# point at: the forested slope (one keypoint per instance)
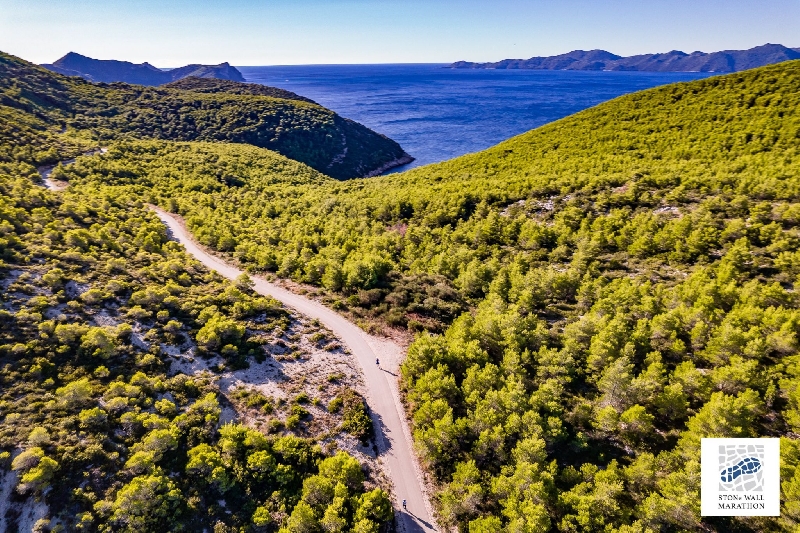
(213, 85)
(296, 128)
(93, 299)
(114, 349)
(628, 276)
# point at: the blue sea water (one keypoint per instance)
(437, 113)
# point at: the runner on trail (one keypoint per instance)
(404, 504)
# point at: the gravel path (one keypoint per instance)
(55, 185)
(393, 435)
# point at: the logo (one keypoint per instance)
(740, 477)
(740, 467)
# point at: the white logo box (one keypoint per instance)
(740, 477)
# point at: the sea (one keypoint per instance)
(438, 113)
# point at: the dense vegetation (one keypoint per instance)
(611, 288)
(243, 197)
(97, 420)
(629, 280)
(212, 85)
(298, 129)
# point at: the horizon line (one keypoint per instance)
(314, 64)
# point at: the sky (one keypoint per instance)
(171, 33)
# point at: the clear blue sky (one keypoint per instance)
(171, 33)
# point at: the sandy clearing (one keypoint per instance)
(283, 377)
(392, 431)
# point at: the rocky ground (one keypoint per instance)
(291, 390)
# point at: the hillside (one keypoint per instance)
(208, 85)
(611, 288)
(140, 391)
(674, 61)
(109, 71)
(42, 103)
(109, 421)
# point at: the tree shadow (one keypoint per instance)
(170, 235)
(382, 433)
(383, 438)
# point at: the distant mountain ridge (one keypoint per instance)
(109, 71)
(674, 61)
(40, 107)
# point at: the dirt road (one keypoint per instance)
(392, 432)
(390, 426)
(54, 185)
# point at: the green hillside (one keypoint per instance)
(461, 220)
(111, 342)
(298, 129)
(611, 288)
(213, 85)
(102, 426)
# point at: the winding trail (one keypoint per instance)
(55, 185)
(392, 432)
(391, 428)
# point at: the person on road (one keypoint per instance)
(378, 362)
(404, 505)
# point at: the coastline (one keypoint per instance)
(400, 161)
